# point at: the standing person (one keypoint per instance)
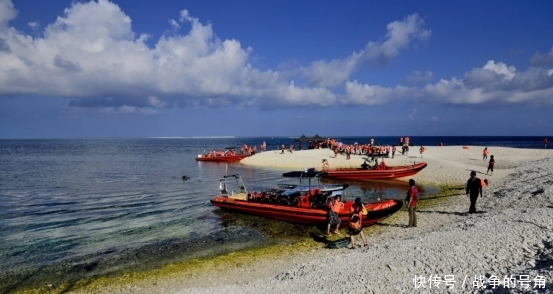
(412, 198)
(545, 143)
(485, 154)
(474, 188)
(326, 165)
(263, 146)
(348, 152)
(355, 226)
(393, 151)
(490, 165)
(332, 218)
(282, 149)
(421, 150)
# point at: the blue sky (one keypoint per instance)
(127, 68)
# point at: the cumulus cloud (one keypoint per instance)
(400, 35)
(542, 59)
(92, 55)
(495, 82)
(7, 12)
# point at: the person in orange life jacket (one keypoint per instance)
(332, 218)
(474, 188)
(490, 165)
(355, 226)
(412, 198)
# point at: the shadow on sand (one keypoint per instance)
(451, 212)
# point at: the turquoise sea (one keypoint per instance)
(73, 208)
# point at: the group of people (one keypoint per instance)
(291, 150)
(358, 211)
(245, 149)
(219, 153)
(354, 227)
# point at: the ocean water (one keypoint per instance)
(88, 207)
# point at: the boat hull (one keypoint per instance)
(227, 158)
(305, 215)
(375, 174)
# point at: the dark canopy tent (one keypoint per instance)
(303, 138)
(317, 138)
(307, 174)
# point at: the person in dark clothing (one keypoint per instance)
(474, 188)
(491, 165)
(412, 198)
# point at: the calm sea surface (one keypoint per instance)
(87, 207)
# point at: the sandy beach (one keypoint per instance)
(510, 236)
(446, 164)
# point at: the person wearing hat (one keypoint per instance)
(474, 188)
(355, 226)
(412, 197)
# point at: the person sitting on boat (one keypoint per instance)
(326, 165)
(332, 217)
(355, 226)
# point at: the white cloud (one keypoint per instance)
(493, 83)
(174, 24)
(91, 52)
(91, 55)
(360, 94)
(34, 25)
(400, 35)
(7, 12)
(412, 114)
(507, 72)
(418, 77)
(542, 59)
